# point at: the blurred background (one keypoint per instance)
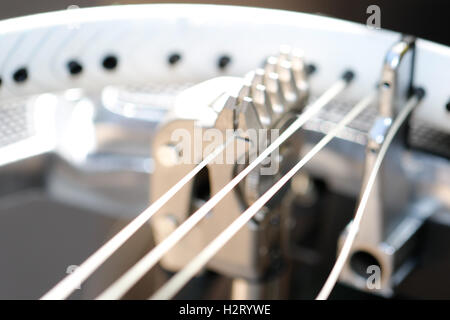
(427, 19)
(80, 216)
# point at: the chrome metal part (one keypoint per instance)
(82, 155)
(262, 100)
(394, 214)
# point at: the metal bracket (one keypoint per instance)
(265, 99)
(386, 238)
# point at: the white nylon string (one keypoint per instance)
(354, 227)
(135, 273)
(190, 270)
(71, 282)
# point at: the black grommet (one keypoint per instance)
(1, 81)
(110, 62)
(348, 75)
(420, 92)
(447, 106)
(310, 69)
(174, 58)
(20, 75)
(74, 67)
(223, 62)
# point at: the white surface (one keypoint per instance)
(143, 36)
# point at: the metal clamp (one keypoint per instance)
(385, 243)
(266, 98)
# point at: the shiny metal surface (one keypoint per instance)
(391, 210)
(88, 160)
(119, 189)
(248, 261)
